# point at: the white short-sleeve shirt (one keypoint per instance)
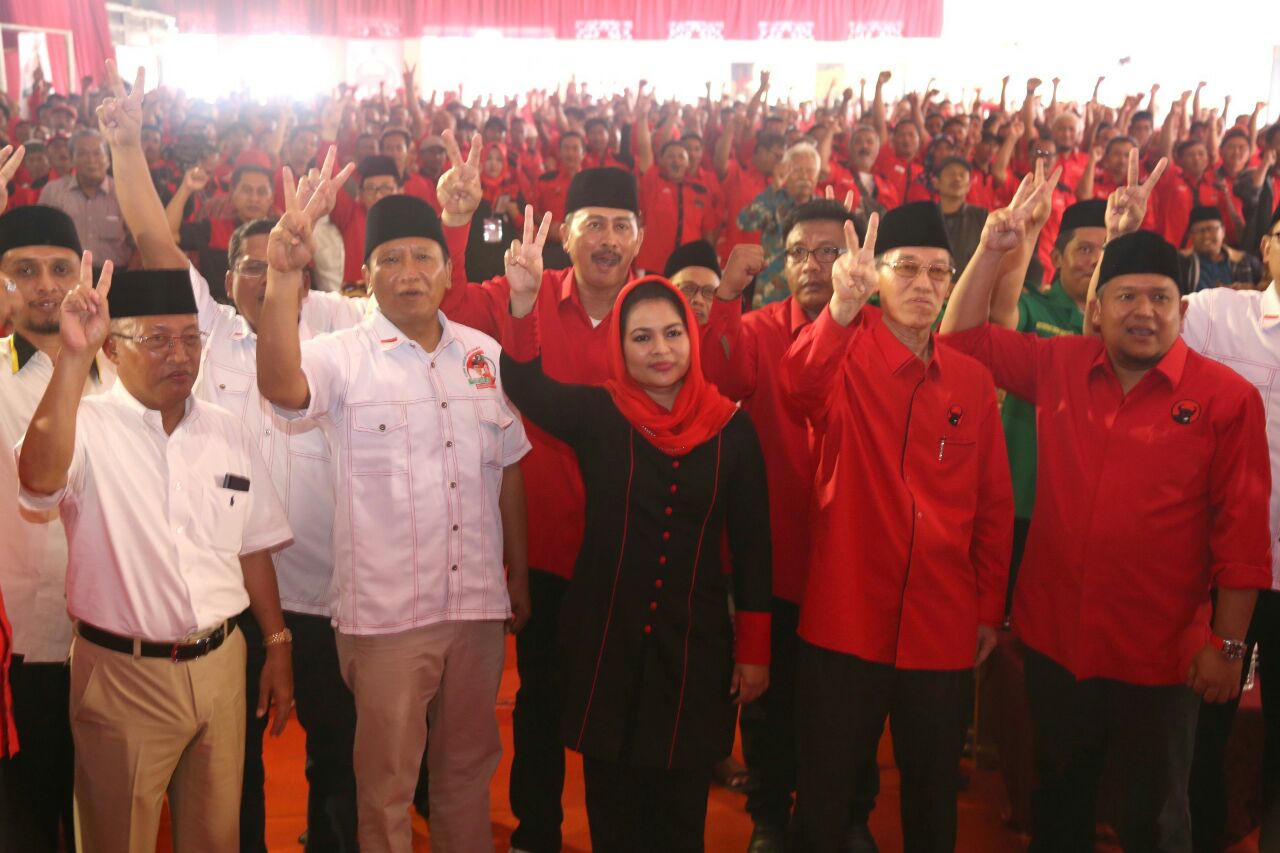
(1241, 329)
(421, 439)
(155, 523)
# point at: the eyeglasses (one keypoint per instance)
(166, 343)
(692, 291)
(909, 269)
(251, 269)
(380, 190)
(825, 255)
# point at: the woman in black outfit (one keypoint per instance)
(646, 648)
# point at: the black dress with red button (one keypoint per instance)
(645, 650)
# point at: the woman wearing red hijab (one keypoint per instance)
(499, 217)
(651, 665)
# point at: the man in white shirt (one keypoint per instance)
(430, 500)
(298, 456)
(170, 522)
(1241, 329)
(40, 261)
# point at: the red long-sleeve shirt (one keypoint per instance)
(1144, 501)
(1176, 194)
(743, 357)
(912, 508)
(8, 732)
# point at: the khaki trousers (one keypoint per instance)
(444, 676)
(144, 726)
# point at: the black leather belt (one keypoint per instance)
(173, 651)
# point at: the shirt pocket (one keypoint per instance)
(492, 423)
(230, 388)
(1260, 376)
(228, 509)
(379, 439)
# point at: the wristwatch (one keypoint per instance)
(285, 636)
(1232, 650)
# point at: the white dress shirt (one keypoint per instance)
(33, 568)
(1241, 329)
(154, 536)
(421, 440)
(296, 451)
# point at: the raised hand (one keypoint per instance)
(195, 180)
(86, 322)
(830, 195)
(523, 262)
(120, 116)
(459, 188)
(1127, 206)
(317, 191)
(1007, 227)
(290, 246)
(745, 262)
(853, 276)
(884, 77)
(10, 160)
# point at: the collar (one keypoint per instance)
(150, 416)
(1269, 313)
(569, 293)
(895, 353)
(390, 337)
(796, 316)
(1058, 296)
(22, 351)
(1170, 367)
(103, 189)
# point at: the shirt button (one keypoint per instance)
(666, 534)
(453, 568)
(662, 561)
(268, 431)
(181, 528)
(455, 527)
(453, 485)
(653, 605)
(448, 444)
(658, 583)
(433, 365)
(382, 427)
(444, 405)
(667, 510)
(222, 387)
(674, 487)
(178, 486)
(648, 629)
(675, 463)
(919, 515)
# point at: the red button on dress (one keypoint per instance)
(674, 487)
(658, 583)
(675, 463)
(668, 510)
(653, 605)
(666, 534)
(648, 629)
(662, 561)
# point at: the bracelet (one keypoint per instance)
(1232, 650)
(278, 638)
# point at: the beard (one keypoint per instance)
(49, 327)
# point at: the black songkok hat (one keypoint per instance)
(377, 165)
(952, 161)
(605, 187)
(38, 225)
(1139, 253)
(1275, 217)
(147, 293)
(916, 224)
(1084, 214)
(398, 216)
(1204, 213)
(699, 253)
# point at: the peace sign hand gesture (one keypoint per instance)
(1026, 214)
(1127, 206)
(290, 245)
(318, 190)
(10, 160)
(524, 263)
(120, 116)
(85, 321)
(853, 276)
(459, 188)
(830, 195)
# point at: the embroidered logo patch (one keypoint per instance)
(480, 370)
(1185, 412)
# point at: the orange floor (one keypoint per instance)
(981, 827)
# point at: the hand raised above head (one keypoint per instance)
(1127, 206)
(853, 276)
(86, 321)
(459, 188)
(10, 160)
(120, 116)
(523, 259)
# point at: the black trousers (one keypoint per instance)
(43, 771)
(769, 733)
(844, 701)
(327, 713)
(644, 809)
(537, 763)
(1208, 789)
(1149, 731)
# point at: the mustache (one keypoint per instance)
(606, 255)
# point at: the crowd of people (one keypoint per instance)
(737, 413)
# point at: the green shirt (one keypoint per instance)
(1049, 315)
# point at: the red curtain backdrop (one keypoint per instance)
(87, 20)
(830, 20)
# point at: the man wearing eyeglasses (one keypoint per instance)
(377, 177)
(695, 270)
(298, 457)
(743, 356)
(912, 523)
(251, 198)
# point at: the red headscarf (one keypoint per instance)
(504, 183)
(700, 410)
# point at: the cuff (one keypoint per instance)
(751, 637)
(522, 340)
(1241, 576)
